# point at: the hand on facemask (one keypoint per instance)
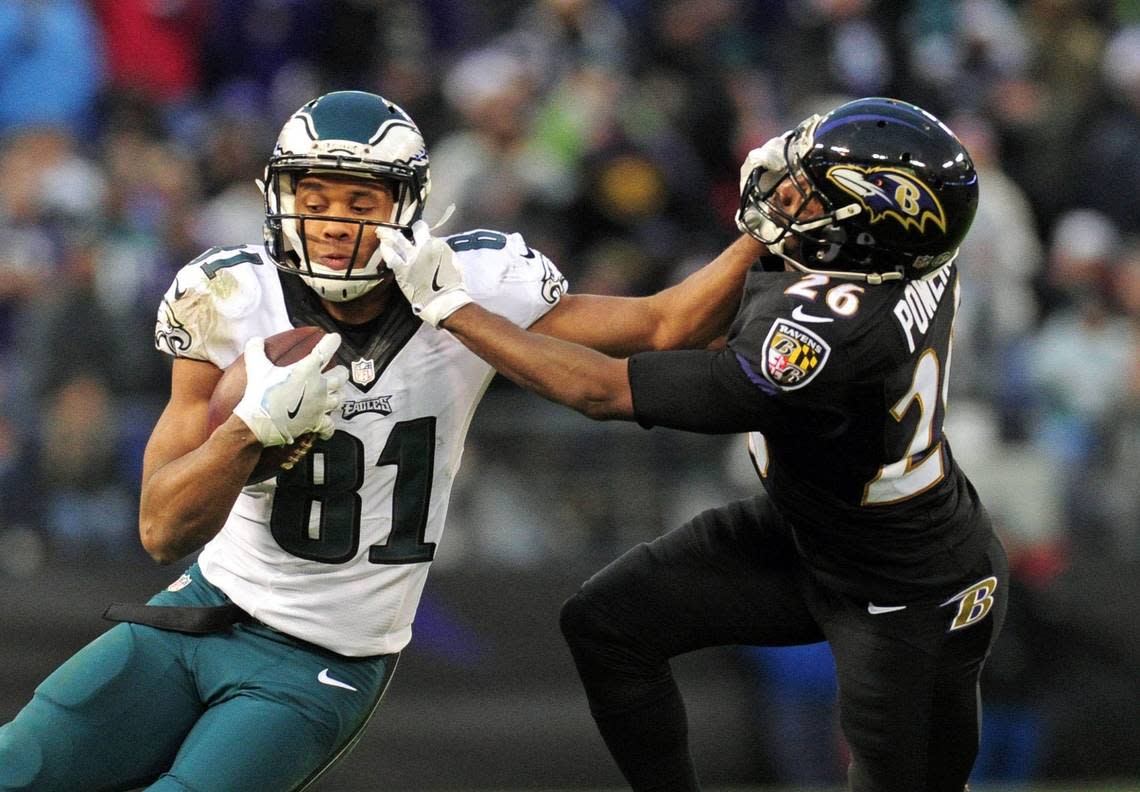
(773, 164)
(426, 271)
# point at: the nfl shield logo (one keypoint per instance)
(363, 371)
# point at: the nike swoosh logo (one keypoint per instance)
(798, 313)
(876, 610)
(293, 413)
(178, 291)
(435, 281)
(325, 679)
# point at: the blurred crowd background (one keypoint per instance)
(610, 134)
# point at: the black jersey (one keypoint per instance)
(842, 387)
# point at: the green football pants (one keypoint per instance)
(244, 710)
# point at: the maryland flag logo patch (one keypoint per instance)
(793, 354)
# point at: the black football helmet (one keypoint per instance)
(898, 192)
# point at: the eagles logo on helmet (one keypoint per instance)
(865, 162)
(345, 133)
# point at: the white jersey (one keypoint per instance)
(336, 550)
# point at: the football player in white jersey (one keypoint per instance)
(286, 631)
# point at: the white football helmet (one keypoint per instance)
(347, 133)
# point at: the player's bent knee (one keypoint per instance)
(597, 638)
(580, 621)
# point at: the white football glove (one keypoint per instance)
(773, 164)
(281, 403)
(425, 270)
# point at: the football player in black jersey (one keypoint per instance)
(866, 534)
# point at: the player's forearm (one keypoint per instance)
(700, 308)
(588, 381)
(185, 502)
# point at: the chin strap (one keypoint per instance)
(873, 278)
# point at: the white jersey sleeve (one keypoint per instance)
(506, 276)
(215, 304)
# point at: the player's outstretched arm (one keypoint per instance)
(689, 315)
(592, 383)
(574, 375)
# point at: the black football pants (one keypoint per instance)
(908, 684)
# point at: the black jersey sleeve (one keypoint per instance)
(695, 390)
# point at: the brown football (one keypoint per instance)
(281, 350)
